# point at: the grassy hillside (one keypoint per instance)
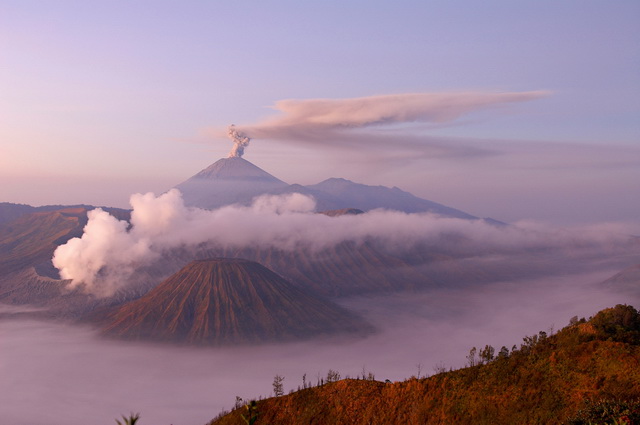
(589, 372)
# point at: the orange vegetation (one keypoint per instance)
(547, 380)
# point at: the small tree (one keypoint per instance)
(238, 402)
(439, 368)
(504, 352)
(131, 420)
(278, 388)
(486, 354)
(471, 358)
(333, 376)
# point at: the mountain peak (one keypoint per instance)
(226, 301)
(227, 181)
(235, 168)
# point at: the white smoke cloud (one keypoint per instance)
(109, 251)
(105, 249)
(240, 141)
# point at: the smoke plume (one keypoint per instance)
(341, 121)
(109, 251)
(240, 141)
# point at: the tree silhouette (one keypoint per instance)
(278, 388)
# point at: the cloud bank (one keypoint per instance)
(109, 251)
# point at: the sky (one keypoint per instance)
(100, 100)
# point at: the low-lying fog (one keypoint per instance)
(54, 374)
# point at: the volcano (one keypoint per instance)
(235, 180)
(229, 301)
(227, 181)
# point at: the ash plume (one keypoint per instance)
(356, 122)
(240, 141)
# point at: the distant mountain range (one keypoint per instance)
(236, 180)
(10, 212)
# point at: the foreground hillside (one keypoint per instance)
(589, 372)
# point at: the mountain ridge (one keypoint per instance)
(236, 180)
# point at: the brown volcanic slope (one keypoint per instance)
(350, 268)
(32, 238)
(228, 301)
(26, 247)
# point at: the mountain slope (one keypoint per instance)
(586, 373)
(32, 238)
(228, 301)
(10, 212)
(227, 181)
(27, 275)
(236, 168)
(365, 197)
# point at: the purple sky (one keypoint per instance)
(99, 100)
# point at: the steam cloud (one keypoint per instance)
(108, 252)
(240, 141)
(337, 121)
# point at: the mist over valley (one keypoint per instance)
(95, 300)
